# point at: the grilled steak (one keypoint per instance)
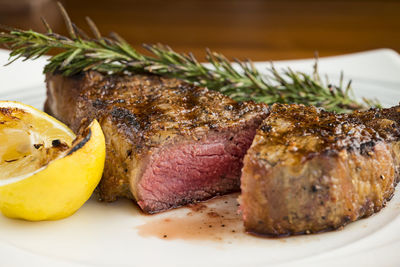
(168, 143)
(309, 170)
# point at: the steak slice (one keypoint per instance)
(168, 143)
(309, 170)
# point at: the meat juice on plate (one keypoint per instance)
(216, 219)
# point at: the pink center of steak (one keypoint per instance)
(196, 170)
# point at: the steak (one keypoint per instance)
(310, 170)
(168, 143)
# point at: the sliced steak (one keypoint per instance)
(309, 170)
(168, 143)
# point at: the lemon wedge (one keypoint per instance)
(45, 172)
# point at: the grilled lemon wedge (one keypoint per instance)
(45, 172)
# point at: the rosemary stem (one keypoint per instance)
(113, 55)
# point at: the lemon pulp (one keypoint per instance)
(28, 140)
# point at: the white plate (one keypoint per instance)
(102, 234)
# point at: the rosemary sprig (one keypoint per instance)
(241, 81)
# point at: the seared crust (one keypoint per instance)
(309, 170)
(138, 115)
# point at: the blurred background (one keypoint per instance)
(255, 29)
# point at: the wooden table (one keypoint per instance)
(256, 29)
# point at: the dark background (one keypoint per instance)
(260, 30)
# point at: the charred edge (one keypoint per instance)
(11, 160)
(37, 146)
(99, 104)
(266, 128)
(81, 143)
(56, 143)
(120, 114)
(9, 111)
(367, 148)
